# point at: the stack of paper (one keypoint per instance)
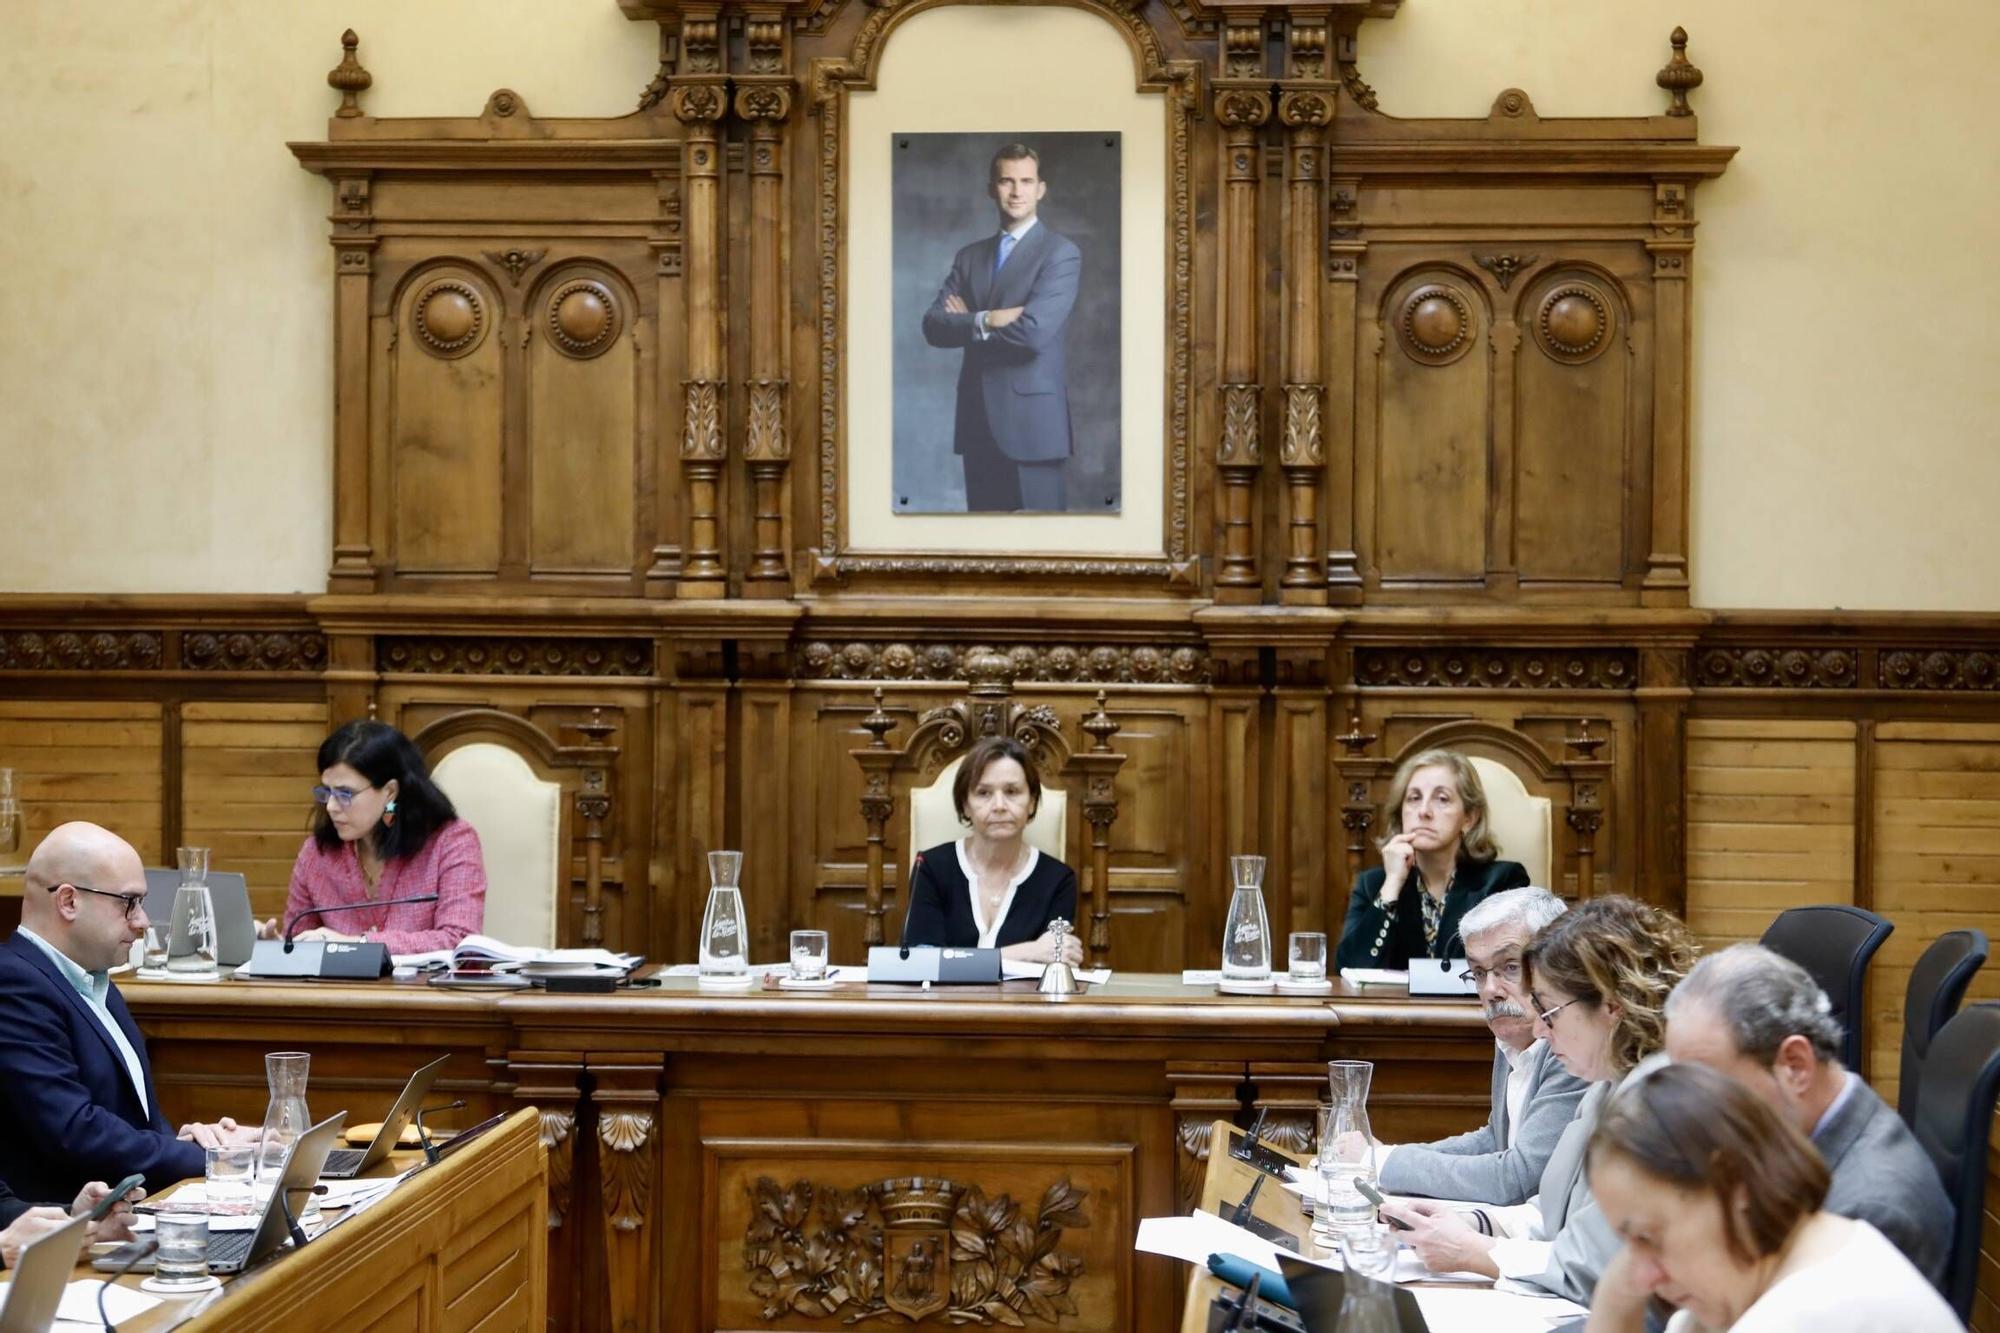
(79, 1305)
(485, 952)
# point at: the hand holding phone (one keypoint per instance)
(1374, 1196)
(102, 1208)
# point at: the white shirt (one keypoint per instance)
(1846, 1091)
(1862, 1286)
(1519, 1066)
(988, 930)
(94, 987)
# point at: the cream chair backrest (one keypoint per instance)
(518, 816)
(1520, 821)
(934, 819)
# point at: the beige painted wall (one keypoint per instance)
(164, 330)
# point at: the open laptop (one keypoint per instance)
(233, 1251)
(1317, 1292)
(235, 931)
(41, 1275)
(347, 1163)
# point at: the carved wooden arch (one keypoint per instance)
(584, 772)
(1579, 778)
(989, 709)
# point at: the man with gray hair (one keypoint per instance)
(1761, 1019)
(1534, 1098)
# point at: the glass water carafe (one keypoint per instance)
(286, 1118)
(1246, 937)
(11, 830)
(1346, 1149)
(725, 944)
(191, 934)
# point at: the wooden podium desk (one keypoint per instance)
(793, 1160)
(457, 1246)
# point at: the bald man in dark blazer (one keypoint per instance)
(1006, 303)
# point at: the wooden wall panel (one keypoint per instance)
(1433, 432)
(246, 773)
(584, 395)
(98, 760)
(445, 433)
(1770, 821)
(1936, 863)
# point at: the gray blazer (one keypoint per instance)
(1882, 1176)
(1480, 1165)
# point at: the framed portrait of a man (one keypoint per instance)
(1007, 285)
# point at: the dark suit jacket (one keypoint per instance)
(941, 902)
(11, 1205)
(1013, 384)
(68, 1112)
(1882, 1176)
(1474, 880)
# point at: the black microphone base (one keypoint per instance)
(326, 960)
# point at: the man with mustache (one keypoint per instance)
(1534, 1098)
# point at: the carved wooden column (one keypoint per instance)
(550, 1081)
(667, 243)
(1672, 248)
(1344, 251)
(764, 99)
(1098, 766)
(1585, 815)
(593, 807)
(1305, 107)
(1357, 806)
(1242, 105)
(1660, 808)
(878, 764)
(626, 1095)
(700, 97)
(354, 243)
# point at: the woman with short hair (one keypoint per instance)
(990, 889)
(1717, 1199)
(1598, 977)
(1438, 842)
(382, 829)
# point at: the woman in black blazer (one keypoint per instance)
(1438, 839)
(990, 889)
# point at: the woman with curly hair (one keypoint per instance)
(1598, 978)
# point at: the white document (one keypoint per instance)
(1492, 1311)
(1374, 976)
(79, 1304)
(1013, 971)
(1409, 1268)
(1198, 976)
(852, 972)
(1201, 1234)
(485, 949)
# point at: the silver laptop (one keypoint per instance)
(234, 1251)
(41, 1275)
(235, 931)
(347, 1163)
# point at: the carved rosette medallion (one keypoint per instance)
(584, 318)
(67, 650)
(1574, 323)
(1939, 669)
(910, 1250)
(1777, 668)
(1435, 324)
(1499, 668)
(448, 318)
(290, 650)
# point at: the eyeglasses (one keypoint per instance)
(1548, 1016)
(1508, 972)
(340, 796)
(133, 901)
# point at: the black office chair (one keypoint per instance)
(1834, 943)
(1953, 1123)
(1937, 988)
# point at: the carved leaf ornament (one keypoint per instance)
(905, 1250)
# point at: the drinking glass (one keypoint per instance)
(1367, 1303)
(183, 1252)
(230, 1181)
(1308, 956)
(808, 955)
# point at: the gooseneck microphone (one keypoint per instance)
(292, 926)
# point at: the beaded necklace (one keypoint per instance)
(1433, 910)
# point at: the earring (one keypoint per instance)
(389, 814)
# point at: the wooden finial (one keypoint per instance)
(1355, 740)
(348, 78)
(1679, 77)
(1585, 744)
(371, 711)
(1101, 727)
(878, 723)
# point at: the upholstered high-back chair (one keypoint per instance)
(934, 818)
(1522, 823)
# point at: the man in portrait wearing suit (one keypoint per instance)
(1006, 302)
(1761, 1019)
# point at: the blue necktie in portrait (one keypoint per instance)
(1007, 239)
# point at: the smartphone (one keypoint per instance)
(1374, 1196)
(118, 1191)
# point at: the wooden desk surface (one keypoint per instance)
(702, 1141)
